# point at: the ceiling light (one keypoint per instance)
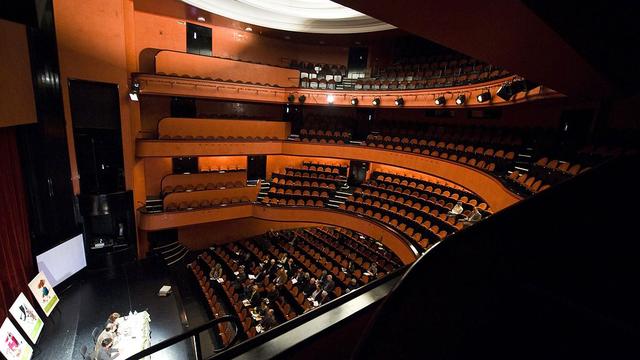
(440, 100)
(354, 101)
(485, 96)
(399, 102)
(291, 98)
(330, 99)
(376, 102)
(249, 29)
(201, 19)
(461, 99)
(302, 98)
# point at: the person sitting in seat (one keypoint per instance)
(457, 209)
(289, 266)
(310, 287)
(329, 284)
(323, 298)
(254, 298)
(474, 216)
(269, 320)
(105, 352)
(216, 272)
(352, 285)
(373, 269)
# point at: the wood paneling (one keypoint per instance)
(220, 127)
(171, 62)
(16, 88)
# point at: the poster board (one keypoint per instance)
(26, 317)
(12, 345)
(43, 293)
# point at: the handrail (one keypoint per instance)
(195, 332)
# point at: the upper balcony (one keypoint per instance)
(182, 74)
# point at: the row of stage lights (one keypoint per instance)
(399, 101)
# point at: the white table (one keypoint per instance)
(133, 334)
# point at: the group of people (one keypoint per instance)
(252, 272)
(473, 217)
(106, 349)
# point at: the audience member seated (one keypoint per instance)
(106, 351)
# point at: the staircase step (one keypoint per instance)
(183, 254)
(157, 248)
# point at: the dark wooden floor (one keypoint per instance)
(89, 301)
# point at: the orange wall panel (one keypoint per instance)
(219, 127)
(170, 62)
(16, 89)
(91, 46)
(155, 169)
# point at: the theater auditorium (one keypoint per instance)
(315, 179)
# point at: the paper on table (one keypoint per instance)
(294, 281)
(252, 277)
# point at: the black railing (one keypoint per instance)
(195, 332)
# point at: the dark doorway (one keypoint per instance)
(358, 57)
(183, 107)
(185, 165)
(95, 114)
(199, 39)
(357, 172)
(256, 167)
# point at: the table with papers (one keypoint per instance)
(133, 335)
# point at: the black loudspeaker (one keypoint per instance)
(109, 227)
(357, 172)
(256, 167)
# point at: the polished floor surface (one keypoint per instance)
(87, 303)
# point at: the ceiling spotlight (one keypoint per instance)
(248, 28)
(376, 102)
(505, 91)
(302, 98)
(201, 19)
(291, 98)
(354, 101)
(485, 96)
(135, 90)
(440, 100)
(461, 99)
(330, 99)
(399, 102)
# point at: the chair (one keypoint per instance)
(83, 353)
(94, 334)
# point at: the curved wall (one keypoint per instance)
(297, 216)
(481, 183)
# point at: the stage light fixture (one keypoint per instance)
(302, 99)
(485, 96)
(461, 99)
(399, 102)
(354, 101)
(505, 91)
(135, 90)
(376, 102)
(440, 100)
(330, 99)
(291, 98)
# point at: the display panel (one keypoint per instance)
(12, 345)
(26, 317)
(64, 260)
(43, 292)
